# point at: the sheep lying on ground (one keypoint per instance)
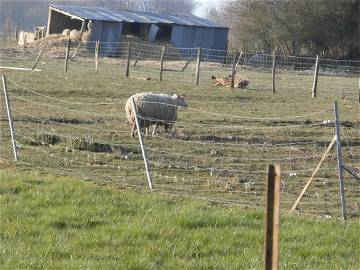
(239, 81)
(154, 109)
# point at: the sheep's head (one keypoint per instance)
(179, 101)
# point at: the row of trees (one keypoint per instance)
(302, 27)
(298, 27)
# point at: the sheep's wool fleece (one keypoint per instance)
(152, 110)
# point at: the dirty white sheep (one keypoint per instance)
(154, 109)
(66, 32)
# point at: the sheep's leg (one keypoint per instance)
(154, 130)
(133, 131)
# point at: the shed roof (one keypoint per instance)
(104, 14)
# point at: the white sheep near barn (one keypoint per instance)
(154, 109)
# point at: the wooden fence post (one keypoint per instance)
(97, 48)
(147, 168)
(198, 60)
(359, 90)
(12, 130)
(67, 55)
(233, 70)
(272, 218)
(162, 61)
(339, 162)
(316, 74)
(38, 57)
(273, 72)
(127, 69)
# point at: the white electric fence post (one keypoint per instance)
(147, 168)
(339, 162)
(12, 130)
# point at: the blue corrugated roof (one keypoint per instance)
(104, 14)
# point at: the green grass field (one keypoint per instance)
(74, 125)
(62, 223)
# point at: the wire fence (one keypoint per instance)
(208, 154)
(337, 78)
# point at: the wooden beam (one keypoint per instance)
(312, 177)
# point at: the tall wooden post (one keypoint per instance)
(97, 48)
(8, 110)
(272, 218)
(233, 70)
(198, 60)
(162, 61)
(67, 55)
(127, 69)
(340, 162)
(359, 90)
(273, 72)
(316, 74)
(147, 168)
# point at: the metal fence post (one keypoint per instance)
(162, 61)
(67, 55)
(340, 162)
(127, 69)
(316, 74)
(198, 60)
(272, 218)
(147, 167)
(12, 130)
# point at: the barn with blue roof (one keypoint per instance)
(181, 30)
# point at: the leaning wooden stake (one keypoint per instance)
(273, 72)
(272, 222)
(233, 70)
(198, 61)
(127, 69)
(340, 162)
(12, 130)
(138, 58)
(312, 177)
(186, 64)
(67, 55)
(147, 168)
(39, 56)
(162, 61)
(97, 48)
(238, 61)
(316, 74)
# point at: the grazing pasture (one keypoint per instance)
(206, 210)
(75, 124)
(60, 222)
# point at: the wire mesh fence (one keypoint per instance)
(337, 78)
(208, 154)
